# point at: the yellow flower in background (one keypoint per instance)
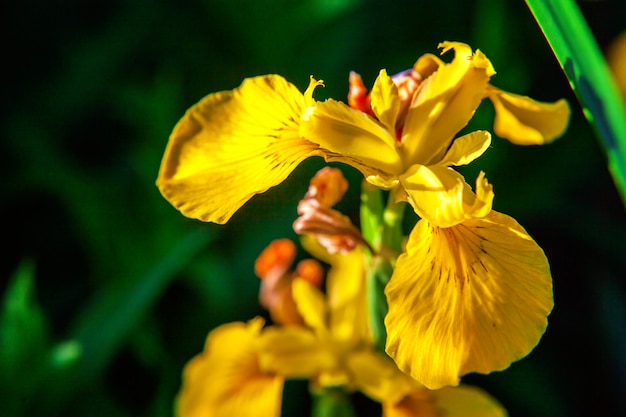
(243, 367)
(226, 380)
(235, 144)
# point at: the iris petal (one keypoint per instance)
(233, 145)
(443, 104)
(470, 298)
(441, 195)
(466, 148)
(311, 305)
(378, 377)
(385, 100)
(352, 137)
(295, 352)
(525, 121)
(345, 291)
(461, 401)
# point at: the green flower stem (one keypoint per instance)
(382, 228)
(392, 224)
(332, 402)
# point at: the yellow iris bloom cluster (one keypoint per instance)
(471, 291)
(244, 366)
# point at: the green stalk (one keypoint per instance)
(582, 61)
(382, 228)
(332, 402)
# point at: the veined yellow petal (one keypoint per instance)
(525, 121)
(470, 298)
(226, 379)
(443, 104)
(466, 148)
(352, 137)
(385, 101)
(233, 145)
(461, 401)
(441, 195)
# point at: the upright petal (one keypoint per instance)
(443, 104)
(471, 298)
(311, 305)
(345, 291)
(226, 379)
(385, 101)
(525, 121)
(233, 145)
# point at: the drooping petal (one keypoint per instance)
(461, 401)
(225, 380)
(471, 298)
(385, 100)
(233, 145)
(524, 121)
(466, 148)
(352, 137)
(443, 104)
(441, 195)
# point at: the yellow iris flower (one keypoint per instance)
(243, 367)
(472, 291)
(235, 144)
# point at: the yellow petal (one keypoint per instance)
(462, 401)
(466, 148)
(441, 195)
(378, 377)
(443, 104)
(427, 64)
(233, 145)
(525, 121)
(345, 291)
(295, 352)
(385, 101)
(311, 304)
(352, 137)
(470, 298)
(225, 380)
(466, 401)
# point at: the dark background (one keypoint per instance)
(126, 288)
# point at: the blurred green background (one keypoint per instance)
(108, 291)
